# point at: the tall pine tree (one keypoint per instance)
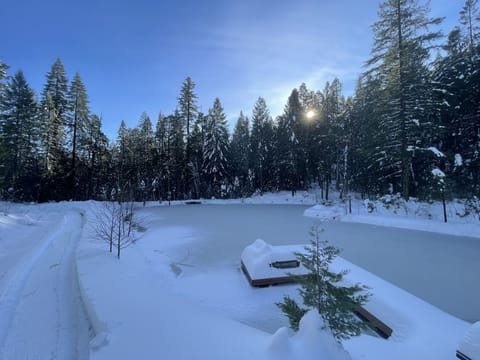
(262, 147)
(54, 109)
(399, 55)
(239, 155)
(19, 135)
(77, 125)
(188, 112)
(215, 150)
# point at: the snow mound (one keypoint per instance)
(325, 213)
(259, 257)
(470, 344)
(312, 341)
(436, 152)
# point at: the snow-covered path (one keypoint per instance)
(41, 314)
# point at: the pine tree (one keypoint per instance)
(239, 155)
(457, 77)
(321, 289)
(54, 107)
(399, 55)
(367, 148)
(78, 122)
(161, 156)
(196, 159)
(122, 184)
(262, 147)
(329, 135)
(99, 161)
(3, 83)
(188, 112)
(145, 149)
(19, 135)
(176, 156)
(289, 159)
(311, 103)
(469, 15)
(187, 106)
(215, 149)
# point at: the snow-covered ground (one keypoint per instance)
(41, 311)
(179, 293)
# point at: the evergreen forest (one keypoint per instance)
(411, 127)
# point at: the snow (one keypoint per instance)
(438, 173)
(432, 149)
(458, 160)
(313, 341)
(470, 343)
(437, 152)
(413, 215)
(179, 293)
(40, 313)
(259, 256)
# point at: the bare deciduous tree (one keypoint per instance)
(115, 224)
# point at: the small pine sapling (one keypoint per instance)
(322, 289)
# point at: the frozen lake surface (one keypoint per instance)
(441, 269)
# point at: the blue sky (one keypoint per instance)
(134, 55)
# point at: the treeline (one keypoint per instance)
(412, 126)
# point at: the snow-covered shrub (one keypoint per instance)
(393, 202)
(423, 211)
(327, 202)
(472, 207)
(369, 205)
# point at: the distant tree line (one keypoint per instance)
(413, 116)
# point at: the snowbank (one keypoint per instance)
(392, 217)
(325, 213)
(450, 228)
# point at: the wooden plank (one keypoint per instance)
(267, 281)
(462, 356)
(375, 323)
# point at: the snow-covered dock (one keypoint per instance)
(264, 264)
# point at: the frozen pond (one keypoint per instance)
(441, 269)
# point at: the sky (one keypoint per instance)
(134, 55)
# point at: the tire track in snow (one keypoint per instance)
(41, 314)
(11, 295)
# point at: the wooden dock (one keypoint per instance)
(372, 321)
(267, 281)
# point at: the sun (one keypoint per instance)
(310, 114)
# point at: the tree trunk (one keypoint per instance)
(444, 207)
(402, 119)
